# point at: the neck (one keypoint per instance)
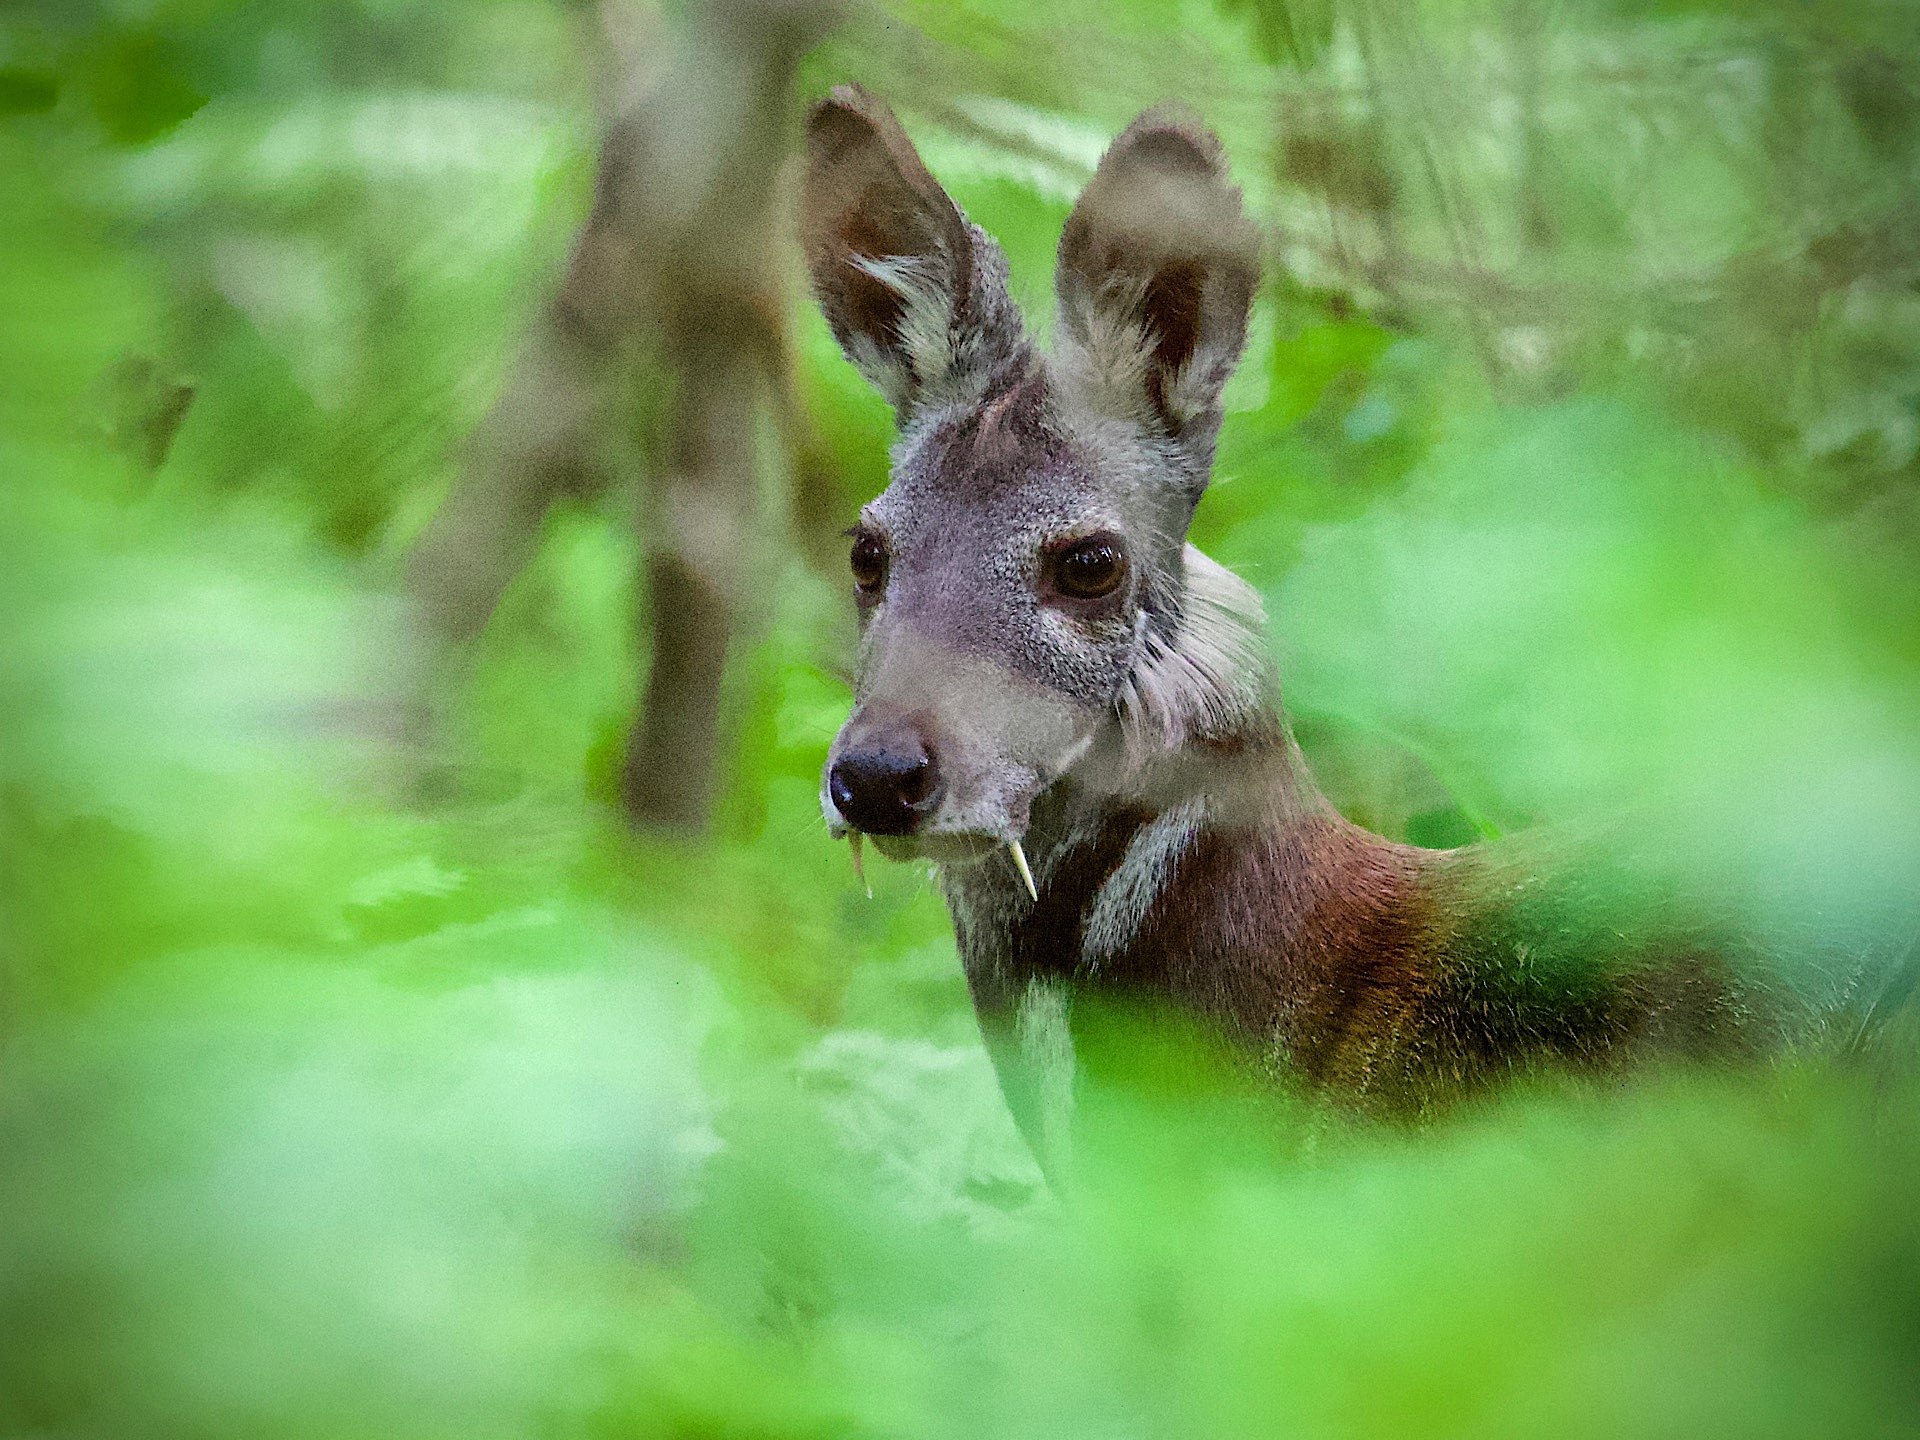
(1207, 872)
(1197, 750)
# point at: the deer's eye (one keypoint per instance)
(1090, 568)
(868, 561)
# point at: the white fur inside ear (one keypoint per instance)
(929, 351)
(1107, 353)
(1209, 676)
(1105, 356)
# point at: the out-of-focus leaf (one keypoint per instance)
(1288, 32)
(136, 88)
(25, 91)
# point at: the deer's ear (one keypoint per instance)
(1158, 267)
(916, 296)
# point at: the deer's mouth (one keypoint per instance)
(941, 849)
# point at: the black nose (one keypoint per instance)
(884, 784)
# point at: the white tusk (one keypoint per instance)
(859, 870)
(1020, 864)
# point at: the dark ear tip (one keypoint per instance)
(843, 112)
(842, 119)
(1166, 180)
(1162, 194)
(1172, 137)
(851, 117)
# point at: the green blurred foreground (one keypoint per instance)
(1575, 451)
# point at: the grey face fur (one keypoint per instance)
(1028, 599)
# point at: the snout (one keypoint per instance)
(885, 780)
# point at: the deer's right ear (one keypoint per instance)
(915, 295)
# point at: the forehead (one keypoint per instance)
(1006, 461)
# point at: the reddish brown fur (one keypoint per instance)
(1390, 978)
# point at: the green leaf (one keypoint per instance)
(27, 92)
(136, 89)
(1288, 32)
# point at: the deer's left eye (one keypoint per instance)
(1090, 568)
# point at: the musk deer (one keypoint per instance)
(1072, 711)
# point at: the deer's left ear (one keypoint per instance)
(1157, 270)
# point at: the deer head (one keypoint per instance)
(1029, 605)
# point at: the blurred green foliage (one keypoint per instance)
(1575, 451)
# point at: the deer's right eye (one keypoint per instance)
(868, 562)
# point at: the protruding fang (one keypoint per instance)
(1020, 864)
(859, 870)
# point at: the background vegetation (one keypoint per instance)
(1575, 452)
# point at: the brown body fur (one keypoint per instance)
(1391, 979)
